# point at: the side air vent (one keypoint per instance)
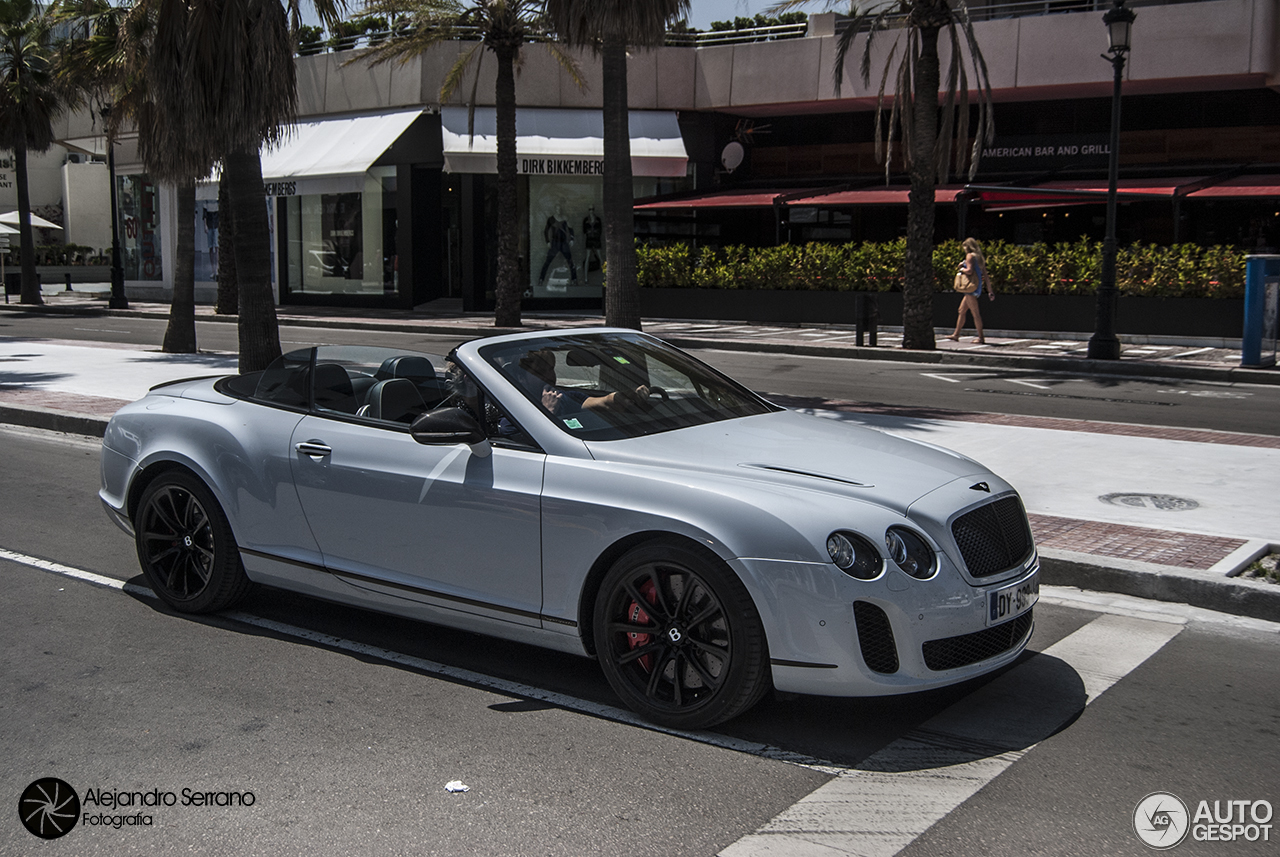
(875, 637)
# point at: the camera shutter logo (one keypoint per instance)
(49, 808)
(1161, 820)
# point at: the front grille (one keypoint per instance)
(875, 637)
(993, 538)
(968, 649)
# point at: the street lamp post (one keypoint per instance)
(118, 300)
(1104, 345)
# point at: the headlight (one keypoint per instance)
(912, 554)
(854, 555)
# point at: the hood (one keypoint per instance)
(804, 451)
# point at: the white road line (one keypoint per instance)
(949, 379)
(1189, 353)
(904, 789)
(509, 688)
(1028, 383)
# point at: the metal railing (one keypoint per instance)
(977, 12)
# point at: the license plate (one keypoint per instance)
(1013, 600)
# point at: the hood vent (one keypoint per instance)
(828, 477)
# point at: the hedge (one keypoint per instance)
(1182, 270)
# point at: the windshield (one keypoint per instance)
(610, 386)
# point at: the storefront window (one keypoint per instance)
(566, 235)
(206, 240)
(139, 228)
(344, 242)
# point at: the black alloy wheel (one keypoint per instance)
(679, 638)
(185, 546)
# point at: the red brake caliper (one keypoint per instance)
(636, 615)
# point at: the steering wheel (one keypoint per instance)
(648, 403)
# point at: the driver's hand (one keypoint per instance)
(552, 399)
(629, 398)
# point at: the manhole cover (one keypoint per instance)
(1163, 502)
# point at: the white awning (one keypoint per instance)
(561, 142)
(330, 154)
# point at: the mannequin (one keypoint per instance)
(593, 238)
(559, 237)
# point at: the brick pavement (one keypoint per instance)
(1121, 541)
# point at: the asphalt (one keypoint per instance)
(76, 386)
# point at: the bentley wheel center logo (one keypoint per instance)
(49, 808)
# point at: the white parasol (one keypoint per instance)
(10, 218)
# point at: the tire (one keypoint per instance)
(185, 546)
(679, 638)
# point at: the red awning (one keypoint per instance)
(1241, 187)
(719, 199)
(1061, 193)
(872, 196)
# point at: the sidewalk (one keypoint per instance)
(1205, 359)
(1175, 528)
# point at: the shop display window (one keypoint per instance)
(566, 235)
(139, 228)
(344, 242)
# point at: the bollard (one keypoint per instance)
(867, 312)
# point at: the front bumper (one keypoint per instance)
(835, 636)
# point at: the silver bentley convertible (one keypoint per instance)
(594, 491)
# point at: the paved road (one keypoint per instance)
(346, 726)
(1147, 401)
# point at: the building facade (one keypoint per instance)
(382, 196)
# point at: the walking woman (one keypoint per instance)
(975, 267)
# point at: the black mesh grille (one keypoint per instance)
(968, 649)
(875, 637)
(993, 538)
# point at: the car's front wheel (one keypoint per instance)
(679, 638)
(185, 546)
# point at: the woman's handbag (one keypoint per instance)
(964, 284)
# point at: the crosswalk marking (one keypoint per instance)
(902, 790)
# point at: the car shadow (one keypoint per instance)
(904, 732)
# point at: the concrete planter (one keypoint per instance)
(1204, 317)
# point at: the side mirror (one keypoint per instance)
(445, 426)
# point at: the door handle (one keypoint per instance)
(316, 450)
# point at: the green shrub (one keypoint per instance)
(310, 40)
(1183, 270)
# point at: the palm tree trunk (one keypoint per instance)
(917, 291)
(622, 295)
(507, 291)
(228, 291)
(180, 335)
(27, 247)
(259, 332)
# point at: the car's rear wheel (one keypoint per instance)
(679, 638)
(185, 546)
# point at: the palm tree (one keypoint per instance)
(609, 27)
(500, 26)
(927, 131)
(31, 95)
(105, 60)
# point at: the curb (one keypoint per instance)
(54, 421)
(1077, 365)
(1241, 597)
